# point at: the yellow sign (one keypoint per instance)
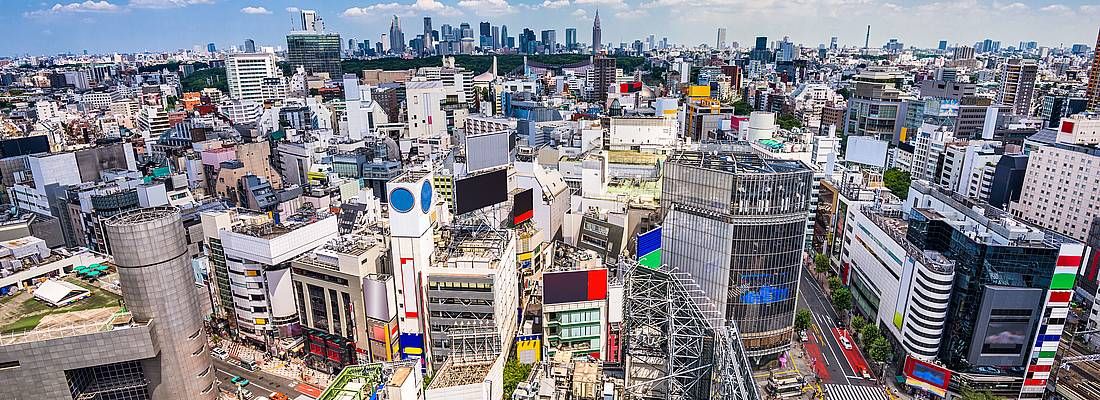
(698, 91)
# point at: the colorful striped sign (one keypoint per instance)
(1056, 308)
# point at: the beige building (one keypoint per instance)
(1061, 191)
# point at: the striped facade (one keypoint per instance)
(1050, 332)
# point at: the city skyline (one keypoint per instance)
(104, 26)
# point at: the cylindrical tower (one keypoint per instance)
(150, 249)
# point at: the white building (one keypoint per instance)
(641, 133)
(363, 114)
(246, 72)
(423, 104)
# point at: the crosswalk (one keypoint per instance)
(853, 392)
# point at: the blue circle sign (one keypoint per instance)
(426, 197)
(401, 200)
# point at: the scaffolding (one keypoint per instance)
(675, 348)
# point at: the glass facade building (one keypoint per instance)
(736, 223)
(316, 52)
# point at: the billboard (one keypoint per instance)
(574, 286)
(480, 191)
(926, 376)
(523, 206)
(630, 87)
(649, 249)
(488, 150)
(866, 150)
(377, 292)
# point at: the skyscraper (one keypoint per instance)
(485, 35)
(504, 36)
(760, 52)
(316, 52)
(721, 43)
(245, 74)
(1093, 93)
(550, 41)
(735, 222)
(942, 46)
(496, 37)
(210, 48)
(429, 44)
(249, 46)
(308, 20)
(597, 35)
(1018, 85)
(397, 38)
(605, 76)
(570, 39)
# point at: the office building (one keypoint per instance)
(308, 21)
(1093, 91)
(246, 73)
(721, 43)
(1018, 85)
(760, 51)
(718, 243)
(576, 322)
(963, 53)
(346, 302)
(318, 53)
(597, 34)
(249, 46)
(397, 38)
(429, 39)
(1060, 189)
(550, 41)
(877, 107)
(604, 77)
(1054, 107)
(570, 39)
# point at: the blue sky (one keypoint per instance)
(36, 27)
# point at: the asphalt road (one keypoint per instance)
(261, 383)
(813, 297)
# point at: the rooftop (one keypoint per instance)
(263, 225)
(22, 313)
(736, 162)
(472, 243)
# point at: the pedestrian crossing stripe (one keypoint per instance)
(853, 392)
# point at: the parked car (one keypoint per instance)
(845, 342)
(802, 335)
(239, 381)
(220, 353)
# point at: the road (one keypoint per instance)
(262, 383)
(812, 297)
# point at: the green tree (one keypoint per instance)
(857, 323)
(514, 373)
(834, 283)
(788, 121)
(970, 394)
(868, 333)
(842, 299)
(741, 107)
(821, 263)
(897, 181)
(879, 349)
(803, 319)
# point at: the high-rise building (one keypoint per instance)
(245, 74)
(721, 43)
(760, 52)
(397, 38)
(1060, 159)
(316, 52)
(570, 39)
(604, 70)
(550, 41)
(1018, 85)
(942, 46)
(249, 46)
(308, 21)
(715, 206)
(429, 43)
(504, 39)
(210, 48)
(877, 107)
(496, 37)
(1093, 93)
(597, 34)
(964, 53)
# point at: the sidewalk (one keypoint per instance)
(293, 369)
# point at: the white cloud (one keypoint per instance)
(293, 9)
(166, 3)
(402, 9)
(487, 7)
(1090, 9)
(1055, 8)
(608, 3)
(1016, 6)
(255, 10)
(87, 6)
(631, 13)
(555, 3)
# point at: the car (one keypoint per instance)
(219, 353)
(802, 335)
(248, 365)
(239, 381)
(845, 342)
(865, 373)
(245, 394)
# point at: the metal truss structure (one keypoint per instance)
(473, 344)
(675, 348)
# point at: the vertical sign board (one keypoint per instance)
(1050, 330)
(649, 249)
